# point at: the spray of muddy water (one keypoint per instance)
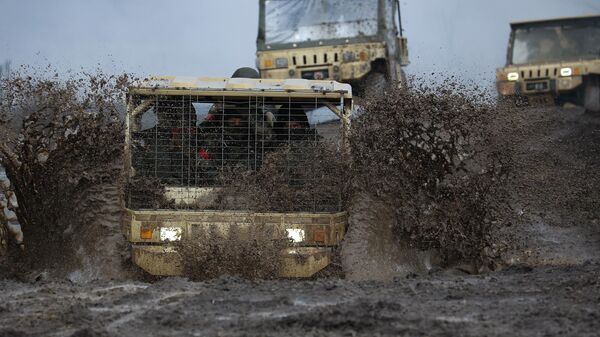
(429, 174)
(62, 142)
(425, 170)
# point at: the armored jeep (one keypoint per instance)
(554, 60)
(352, 41)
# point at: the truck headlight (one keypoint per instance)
(281, 62)
(512, 77)
(170, 233)
(295, 234)
(566, 72)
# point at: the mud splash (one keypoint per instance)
(429, 181)
(303, 177)
(430, 172)
(62, 148)
(371, 248)
(416, 153)
(248, 251)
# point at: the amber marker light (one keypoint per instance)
(146, 233)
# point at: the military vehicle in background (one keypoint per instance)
(183, 134)
(554, 60)
(353, 41)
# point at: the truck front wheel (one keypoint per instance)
(591, 96)
(373, 83)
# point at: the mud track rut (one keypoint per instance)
(520, 301)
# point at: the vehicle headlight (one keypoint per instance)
(170, 233)
(565, 72)
(513, 76)
(281, 62)
(295, 234)
(348, 56)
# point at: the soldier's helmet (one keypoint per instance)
(246, 72)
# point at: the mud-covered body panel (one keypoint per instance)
(337, 40)
(312, 236)
(339, 62)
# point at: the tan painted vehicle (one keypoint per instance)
(183, 134)
(555, 60)
(352, 41)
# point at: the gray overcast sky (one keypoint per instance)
(213, 37)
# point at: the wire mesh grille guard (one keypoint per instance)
(238, 153)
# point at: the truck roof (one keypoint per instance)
(551, 20)
(174, 85)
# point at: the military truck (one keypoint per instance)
(353, 41)
(554, 60)
(184, 134)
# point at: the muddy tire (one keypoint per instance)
(371, 251)
(591, 95)
(402, 79)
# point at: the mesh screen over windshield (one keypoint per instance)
(234, 153)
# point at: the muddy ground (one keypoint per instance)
(519, 301)
(549, 287)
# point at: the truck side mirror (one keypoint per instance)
(403, 51)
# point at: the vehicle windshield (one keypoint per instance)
(292, 21)
(554, 43)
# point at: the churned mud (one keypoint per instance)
(555, 190)
(518, 301)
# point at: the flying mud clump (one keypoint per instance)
(61, 142)
(250, 252)
(428, 172)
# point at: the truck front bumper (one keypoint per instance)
(296, 262)
(312, 236)
(542, 86)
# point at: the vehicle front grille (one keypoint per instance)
(541, 72)
(315, 59)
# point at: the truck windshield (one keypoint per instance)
(291, 21)
(554, 43)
